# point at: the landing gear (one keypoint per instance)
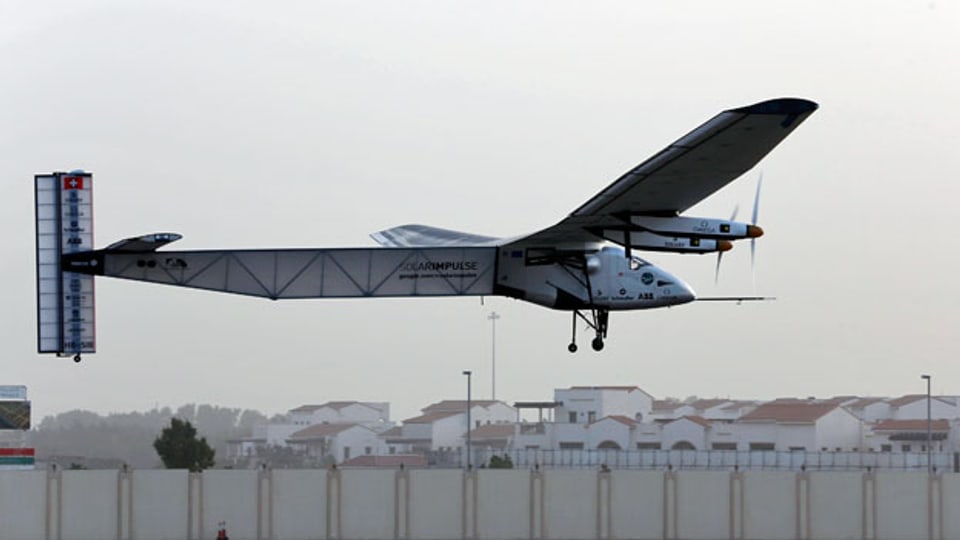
(76, 358)
(598, 320)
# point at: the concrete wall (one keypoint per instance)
(436, 504)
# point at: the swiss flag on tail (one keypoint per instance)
(72, 182)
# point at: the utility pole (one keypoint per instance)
(467, 372)
(929, 426)
(493, 352)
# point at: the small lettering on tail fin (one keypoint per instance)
(65, 300)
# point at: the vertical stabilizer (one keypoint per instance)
(65, 300)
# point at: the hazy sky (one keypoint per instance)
(312, 124)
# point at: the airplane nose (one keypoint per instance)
(687, 294)
(676, 291)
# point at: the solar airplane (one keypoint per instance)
(585, 264)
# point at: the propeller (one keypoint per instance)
(753, 221)
(716, 274)
(754, 232)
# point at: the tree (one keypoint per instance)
(179, 447)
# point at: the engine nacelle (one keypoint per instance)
(648, 241)
(694, 227)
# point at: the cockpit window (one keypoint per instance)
(636, 263)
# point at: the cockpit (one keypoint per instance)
(636, 263)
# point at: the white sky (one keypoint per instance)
(312, 124)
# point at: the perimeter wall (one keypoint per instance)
(486, 504)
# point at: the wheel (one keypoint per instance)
(76, 358)
(597, 344)
(572, 347)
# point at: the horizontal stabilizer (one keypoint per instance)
(143, 244)
(425, 236)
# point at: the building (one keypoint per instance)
(337, 442)
(805, 425)
(908, 435)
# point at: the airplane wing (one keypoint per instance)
(426, 236)
(686, 172)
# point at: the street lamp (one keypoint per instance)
(468, 373)
(929, 425)
(493, 371)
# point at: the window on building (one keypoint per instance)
(798, 448)
(478, 423)
(592, 416)
(573, 417)
(393, 449)
(367, 450)
(757, 446)
(886, 448)
(724, 446)
(346, 453)
(571, 446)
(648, 446)
(905, 447)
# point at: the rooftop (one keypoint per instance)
(789, 411)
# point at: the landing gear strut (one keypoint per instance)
(598, 320)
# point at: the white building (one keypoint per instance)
(800, 425)
(443, 425)
(338, 441)
(587, 404)
(908, 435)
(371, 414)
(914, 407)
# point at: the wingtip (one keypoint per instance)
(780, 106)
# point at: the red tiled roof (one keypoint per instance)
(788, 411)
(493, 431)
(432, 417)
(392, 432)
(739, 404)
(911, 398)
(696, 419)
(702, 404)
(331, 404)
(906, 400)
(864, 402)
(665, 405)
(911, 425)
(622, 388)
(456, 405)
(319, 430)
(625, 420)
(394, 461)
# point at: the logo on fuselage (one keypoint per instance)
(646, 278)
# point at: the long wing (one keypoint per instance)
(424, 236)
(688, 171)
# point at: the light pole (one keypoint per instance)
(468, 373)
(493, 371)
(929, 425)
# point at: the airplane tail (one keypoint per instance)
(66, 323)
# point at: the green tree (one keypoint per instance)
(179, 447)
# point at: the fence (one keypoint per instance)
(704, 459)
(434, 504)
